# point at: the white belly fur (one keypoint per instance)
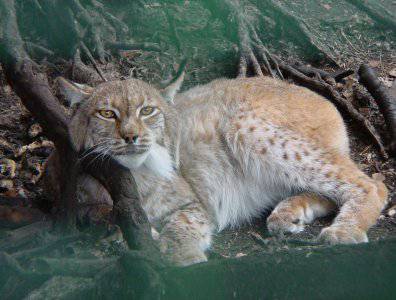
(234, 194)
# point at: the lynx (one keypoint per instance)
(220, 154)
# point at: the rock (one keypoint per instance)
(392, 72)
(35, 130)
(8, 168)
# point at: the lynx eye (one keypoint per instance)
(106, 113)
(147, 110)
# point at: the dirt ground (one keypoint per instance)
(24, 150)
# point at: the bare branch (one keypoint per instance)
(382, 96)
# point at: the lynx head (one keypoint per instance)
(128, 119)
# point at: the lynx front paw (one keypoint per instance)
(279, 224)
(343, 235)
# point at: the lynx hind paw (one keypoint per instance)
(342, 235)
(278, 224)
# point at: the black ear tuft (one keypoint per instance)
(170, 91)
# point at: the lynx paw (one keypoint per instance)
(279, 224)
(343, 235)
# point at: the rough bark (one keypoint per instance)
(384, 99)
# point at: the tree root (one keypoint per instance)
(375, 10)
(385, 101)
(71, 266)
(330, 78)
(248, 57)
(23, 235)
(33, 89)
(300, 27)
(133, 46)
(88, 53)
(93, 31)
(82, 73)
(38, 51)
(26, 255)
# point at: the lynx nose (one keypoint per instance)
(131, 139)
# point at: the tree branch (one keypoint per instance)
(382, 96)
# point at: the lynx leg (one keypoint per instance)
(186, 236)
(360, 198)
(334, 176)
(290, 215)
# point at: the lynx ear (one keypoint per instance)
(73, 92)
(174, 85)
(78, 126)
